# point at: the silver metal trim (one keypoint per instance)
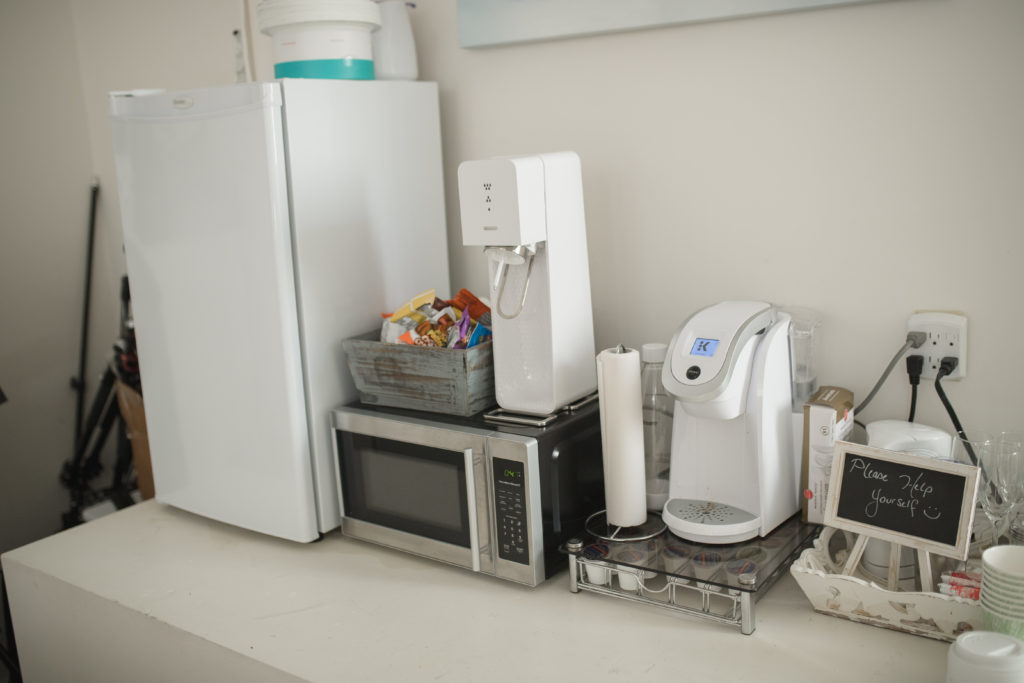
(484, 511)
(474, 540)
(747, 619)
(751, 327)
(521, 449)
(410, 430)
(336, 449)
(502, 416)
(410, 543)
(586, 400)
(574, 546)
(479, 447)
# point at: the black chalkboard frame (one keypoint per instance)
(845, 450)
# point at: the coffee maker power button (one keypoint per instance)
(692, 372)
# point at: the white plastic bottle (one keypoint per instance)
(394, 47)
(658, 408)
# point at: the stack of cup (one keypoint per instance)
(1002, 589)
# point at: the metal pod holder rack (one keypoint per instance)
(648, 564)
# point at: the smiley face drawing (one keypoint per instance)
(932, 512)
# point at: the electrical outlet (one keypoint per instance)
(946, 335)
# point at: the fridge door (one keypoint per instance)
(367, 202)
(204, 203)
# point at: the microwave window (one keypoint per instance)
(413, 488)
(405, 486)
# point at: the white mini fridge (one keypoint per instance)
(264, 223)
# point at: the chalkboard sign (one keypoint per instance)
(902, 498)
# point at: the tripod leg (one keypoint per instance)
(103, 394)
(92, 465)
(123, 466)
(77, 473)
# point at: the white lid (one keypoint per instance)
(654, 352)
(989, 650)
(272, 14)
(910, 437)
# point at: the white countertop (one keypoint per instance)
(343, 609)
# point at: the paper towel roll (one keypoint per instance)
(622, 436)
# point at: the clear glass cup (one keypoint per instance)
(999, 458)
(1011, 456)
(979, 450)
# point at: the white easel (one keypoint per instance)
(924, 563)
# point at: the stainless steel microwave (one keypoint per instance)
(495, 499)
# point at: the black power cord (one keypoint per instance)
(915, 365)
(947, 366)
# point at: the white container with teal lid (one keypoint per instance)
(321, 38)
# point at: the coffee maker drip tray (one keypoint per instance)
(704, 521)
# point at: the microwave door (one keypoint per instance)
(414, 487)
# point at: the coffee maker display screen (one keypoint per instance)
(704, 347)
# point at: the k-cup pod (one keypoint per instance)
(644, 552)
(745, 561)
(596, 570)
(629, 576)
(676, 555)
(705, 564)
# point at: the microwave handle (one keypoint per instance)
(474, 538)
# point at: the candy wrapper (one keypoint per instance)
(426, 320)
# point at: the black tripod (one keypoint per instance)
(104, 416)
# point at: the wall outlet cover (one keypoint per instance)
(946, 335)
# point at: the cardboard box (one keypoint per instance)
(828, 416)
(134, 414)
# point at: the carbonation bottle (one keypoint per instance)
(658, 408)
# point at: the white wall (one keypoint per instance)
(45, 178)
(864, 161)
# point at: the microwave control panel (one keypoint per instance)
(510, 510)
